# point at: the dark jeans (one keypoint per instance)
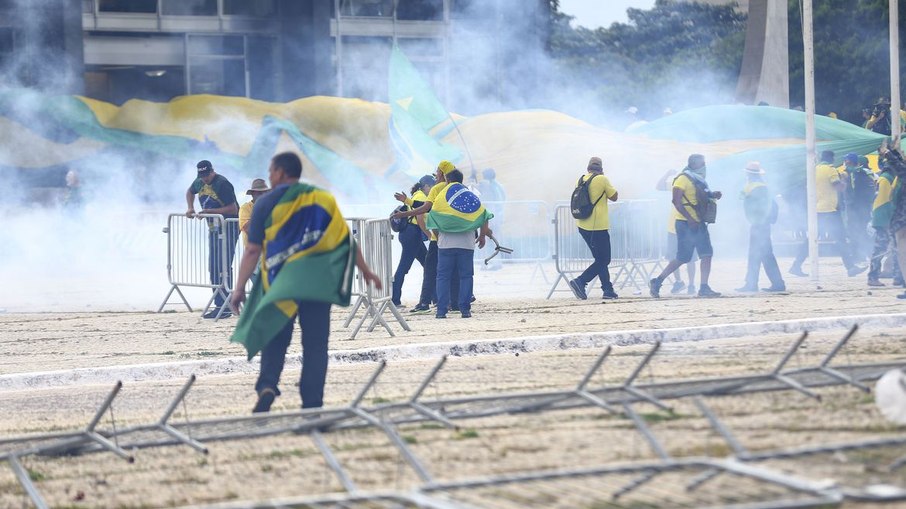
(883, 241)
(429, 281)
(599, 244)
(761, 252)
(447, 261)
(214, 258)
(412, 240)
(832, 224)
(314, 320)
(860, 243)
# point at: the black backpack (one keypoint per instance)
(863, 186)
(400, 224)
(580, 204)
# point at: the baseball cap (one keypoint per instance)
(595, 163)
(852, 157)
(204, 166)
(445, 167)
(427, 180)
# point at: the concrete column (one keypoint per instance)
(765, 74)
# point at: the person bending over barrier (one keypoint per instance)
(691, 197)
(305, 251)
(216, 196)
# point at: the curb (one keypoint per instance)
(236, 365)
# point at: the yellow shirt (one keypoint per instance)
(690, 198)
(825, 178)
(432, 195)
(600, 189)
(885, 187)
(245, 215)
(416, 196)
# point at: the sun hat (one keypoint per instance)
(258, 185)
(754, 168)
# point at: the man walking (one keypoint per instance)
(861, 187)
(830, 221)
(761, 212)
(216, 196)
(302, 243)
(594, 229)
(691, 197)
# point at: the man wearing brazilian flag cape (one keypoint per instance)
(306, 255)
(456, 213)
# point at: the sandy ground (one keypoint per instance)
(508, 307)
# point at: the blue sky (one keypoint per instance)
(596, 13)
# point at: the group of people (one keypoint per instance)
(849, 200)
(451, 218)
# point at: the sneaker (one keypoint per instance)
(855, 270)
(875, 282)
(420, 309)
(678, 286)
(466, 314)
(472, 299)
(578, 289)
(747, 289)
(610, 295)
(902, 295)
(706, 292)
(691, 290)
(265, 400)
(774, 289)
(797, 271)
(212, 314)
(654, 288)
(440, 316)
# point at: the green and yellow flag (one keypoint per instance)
(308, 254)
(457, 210)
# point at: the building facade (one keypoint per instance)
(273, 50)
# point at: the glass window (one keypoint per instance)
(227, 45)
(420, 9)
(189, 7)
(217, 76)
(416, 47)
(256, 8)
(263, 65)
(88, 6)
(371, 8)
(138, 6)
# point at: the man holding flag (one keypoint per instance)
(456, 212)
(306, 253)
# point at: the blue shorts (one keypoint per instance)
(689, 242)
(671, 248)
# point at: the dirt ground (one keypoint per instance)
(248, 470)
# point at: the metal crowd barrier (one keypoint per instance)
(523, 226)
(636, 239)
(375, 239)
(188, 256)
(237, 260)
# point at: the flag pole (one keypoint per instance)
(809, 54)
(894, 69)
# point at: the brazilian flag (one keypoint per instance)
(308, 254)
(457, 210)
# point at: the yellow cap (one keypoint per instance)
(445, 167)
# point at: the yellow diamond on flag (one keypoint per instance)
(405, 102)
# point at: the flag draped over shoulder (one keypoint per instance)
(308, 254)
(457, 210)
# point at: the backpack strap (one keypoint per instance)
(588, 183)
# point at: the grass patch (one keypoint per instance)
(466, 434)
(410, 439)
(36, 476)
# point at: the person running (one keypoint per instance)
(412, 238)
(678, 284)
(594, 230)
(690, 201)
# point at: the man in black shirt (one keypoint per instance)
(216, 196)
